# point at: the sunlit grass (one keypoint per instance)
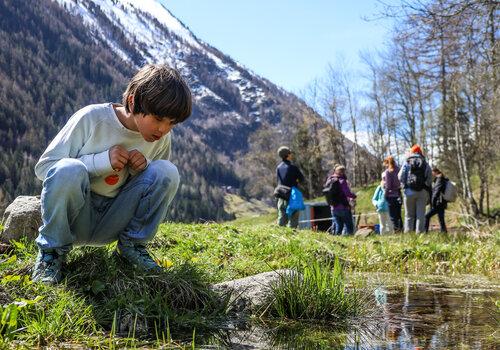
(227, 251)
(315, 292)
(104, 301)
(101, 296)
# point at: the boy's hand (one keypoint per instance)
(118, 156)
(136, 160)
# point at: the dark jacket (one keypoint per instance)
(346, 191)
(288, 174)
(438, 187)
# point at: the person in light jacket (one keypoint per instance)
(107, 176)
(380, 203)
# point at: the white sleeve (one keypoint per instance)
(68, 143)
(97, 164)
(402, 174)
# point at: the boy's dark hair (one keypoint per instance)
(159, 90)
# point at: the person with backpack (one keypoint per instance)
(392, 189)
(339, 197)
(416, 178)
(380, 203)
(438, 202)
(288, 176)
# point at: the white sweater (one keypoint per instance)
(87, 136)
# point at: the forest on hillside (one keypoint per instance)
(51, 65)
(49, 68)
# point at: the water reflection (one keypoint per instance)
(415, 316)
(425, 316)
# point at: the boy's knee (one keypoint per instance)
(69, 170)
(165, 172)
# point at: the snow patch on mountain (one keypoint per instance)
(79, 9)
(149, 26)
(165, 17)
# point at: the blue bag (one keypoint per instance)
(296, 202)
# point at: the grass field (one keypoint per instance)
(104, 304)
(102, 301)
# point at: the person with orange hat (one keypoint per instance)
(416, 177)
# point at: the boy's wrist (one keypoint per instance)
(97, 164)
(102, 163)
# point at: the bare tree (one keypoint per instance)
(376, 113)
(447, 57)
(334, 104)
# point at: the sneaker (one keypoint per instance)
(48, 267)
(138, 256)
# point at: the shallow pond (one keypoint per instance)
(409, 316)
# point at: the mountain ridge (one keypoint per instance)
(213, 149)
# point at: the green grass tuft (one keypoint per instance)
(316, 292)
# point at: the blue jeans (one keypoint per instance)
(395, 212)
(73, 215)
(341, 218)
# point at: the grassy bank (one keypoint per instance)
(227, 251)
(104, 304)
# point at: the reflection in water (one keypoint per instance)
(435, 317)
(417, 316)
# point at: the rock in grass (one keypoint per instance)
(22, 218)
(251, 292)
(364, 232)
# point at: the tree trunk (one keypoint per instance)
(462, 161)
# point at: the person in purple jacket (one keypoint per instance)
(341, 212)
(392, 188)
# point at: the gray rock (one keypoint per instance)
(22, 218)
(364, 232)
(250, 293)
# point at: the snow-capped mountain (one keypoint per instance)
(57, 56)
(226, 94)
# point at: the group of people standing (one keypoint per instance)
(412, 185)
(415, 181)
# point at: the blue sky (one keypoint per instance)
(289, 42)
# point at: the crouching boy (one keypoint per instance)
(106, 175)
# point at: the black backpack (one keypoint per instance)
(416, 173)
(333, 192)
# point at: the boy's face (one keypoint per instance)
(153, 128)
